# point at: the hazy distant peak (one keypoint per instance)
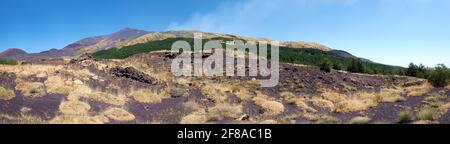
(13, 53)
(15, 50)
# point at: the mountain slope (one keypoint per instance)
(155, 36)
(141, 89)
(340, 60)
(129, 37)
(128, 42)
(13, 53)
(93, 44)
(86, 45)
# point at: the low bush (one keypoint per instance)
(406, 116)
(8, 62)
(439, 76)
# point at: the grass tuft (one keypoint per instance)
(118, 114)
(270, 107)
(360, 120)
(147, 96)
(224, 110)
(74, 108)
(31, 89)
(427, 114)
(6, 94)
(405, 116)
(327, 120)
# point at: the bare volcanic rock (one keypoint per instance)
(133, 74)
(82, 58)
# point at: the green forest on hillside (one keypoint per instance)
(8, 62)
(305, 56)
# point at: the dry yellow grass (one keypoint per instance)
(74, 119)
(6, 94)
(23, 119)
(192, 106)
(244, 94)
(322, 103)
(428, 114)
(270, 121)
(58, 85)
(224, 110)
(434, 98)
(172, 91)
(113, 85)
(83, 74)
(310, 116)
(31, 89)
(445, 106)
(300, 102)
(29, 119)
(418, 90)
(185, 81)
(356, 102)
(41, 75)
(360, 120)
(391, 95)
(326, 119)
(74, 108)
(354, 105)
(77, 112)
(6, 116)
(215, 91)
(333, 96)
(270, 107)
(194, 119)
(79, 91)
(147, 96)
(118, 114)
(118, 100)
(348, 87)
(27, 70)
(289, 97)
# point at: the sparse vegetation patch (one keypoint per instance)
(31, 89)
(360, 120)
(270, 107)
(428, 114)
(391, 95)
(75, 119)
(58, 85)
(74, 108)
(113, 99)
(224, 110)
(194, 119)
(406, 116)
(147, 96)
(119, 114)
(418, 90)
(6, 94)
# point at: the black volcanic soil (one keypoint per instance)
(388, 112)
(300, 80)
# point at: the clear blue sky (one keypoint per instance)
(388, 31)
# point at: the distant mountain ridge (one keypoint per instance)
(13, 53)
(90, 44)
(129, 36)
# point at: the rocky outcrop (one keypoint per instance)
(82, 58)
(133, 74)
